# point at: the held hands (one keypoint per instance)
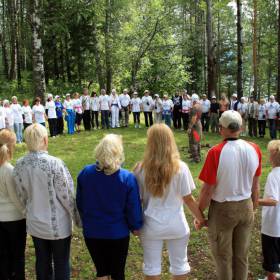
(199, 225)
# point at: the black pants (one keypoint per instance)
(177, 118)
(94, 119)
(86, 119)
(52, 258)
(136, 117)
(25, 125)
(185, 117)
(148, 118)
(60, 125)
(205, 121)
(262, 125)
(109, 256)
(271, 253)
(252, 127)
(272, 128)
(12, 250)
(52, 127)
(105, 119)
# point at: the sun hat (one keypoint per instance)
(195, 97)
(230, 119)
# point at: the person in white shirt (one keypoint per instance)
(270, 228)
(147, 104)
(230, 177)
(69, 113)
(46, 189)
(38, 112)
(78, 109)
(9, 115)
(261, 113)
(205, 116)
(124, 101)
(18, 119)
(157, 109)
(12, 221)
(27, 113)
(242, 108)
(272, 108)
(85, 99)
(233, 102)
(105, 108)
(163, 197)
(51, 113)
(135, 107)
(95, 108)
(186, 107)
(115, 109)
(2, 117)
(252, 116)
(167, 107)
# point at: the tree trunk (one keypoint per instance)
(278, 77)
(239, 50)
(108, 59)
(37, 51)
(211, 63)
(219, 57)
(67, 59)
(255, 59)
(55, 58)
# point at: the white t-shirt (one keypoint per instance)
(85, 101)
(231, 167)
(272, 109)
(205, 105)
(186, 106)
(50, 106)
(261, 112)
(104, 102)
(27, 112)
(95, 104)
(9, 116)
(77, 106)
(68, 104)
(167, 106)
(147, 103)
(164, 218)
(114, 101)
(135, 104)
(39, 113)
(242, 108)
(158, 105)
(124, 100)
(2, 117)
(17, 111)
(271, 214)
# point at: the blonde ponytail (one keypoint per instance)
(7, 144)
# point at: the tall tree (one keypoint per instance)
(239, 50)
(255, 46)
(278, 77)
(37, 50)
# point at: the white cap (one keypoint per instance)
(230, 118)
(156, 95)
(68, 94)
(135, 93)
(213, 97)
(234, 95)
(195, 97)
(271, 97)
(50, 95)
(57, 96)
(243, 98)
(6, 101)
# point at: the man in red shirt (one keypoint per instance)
(231, 185)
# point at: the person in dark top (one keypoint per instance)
(214, 115)
(177, 110)
(59, 113)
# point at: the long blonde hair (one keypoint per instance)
(161, 159)
(7, 145)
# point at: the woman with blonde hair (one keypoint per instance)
(165, 185)
(224, 104)
(109, 205)
(12, 222)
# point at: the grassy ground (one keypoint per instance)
(77, 151)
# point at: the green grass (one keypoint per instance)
(78, 150)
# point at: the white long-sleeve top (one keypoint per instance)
(11, 209)
(45, 187)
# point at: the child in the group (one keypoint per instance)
(271, 214)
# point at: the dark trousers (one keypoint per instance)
(205, 121)
(52, 258)
(185, 117)
(94, 119)
(272, 128)
(262, 125)
(60, 125)
(25, 125)
(136, 117)
(52, 127)
(105, 118)
(12, 250)
(177, 118)
(252, 127)
(148, 118)
(86, 119)
(109, 256)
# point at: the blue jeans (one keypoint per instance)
(70, 118)
(52, 258)
(167, 119)
(272, 128)
(105, 118)
(18, 131)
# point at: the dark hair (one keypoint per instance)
(234, 127)
(93, 93)
(37, 99)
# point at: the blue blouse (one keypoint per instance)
(109, 205)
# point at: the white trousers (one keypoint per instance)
(177, 250)
(115, 116)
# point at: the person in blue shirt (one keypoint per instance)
(59, 113)
(109, 204)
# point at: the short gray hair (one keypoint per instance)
(34, 136)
